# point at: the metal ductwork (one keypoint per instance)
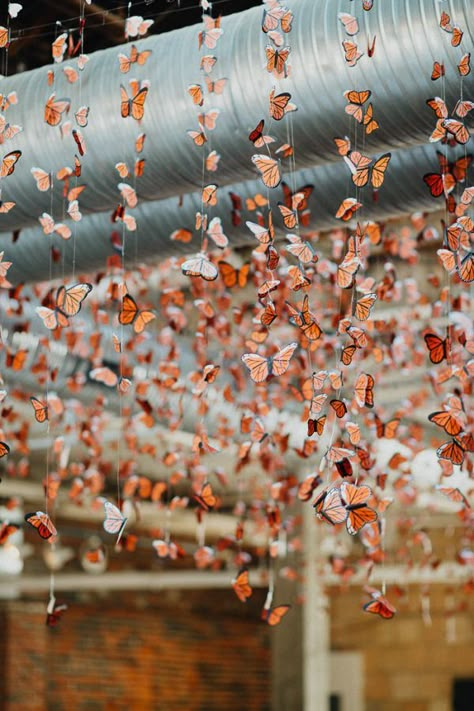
(408, 40)
(402, 193)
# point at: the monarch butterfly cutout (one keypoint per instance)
(130, 314)
(363, 169)
(241, 585)
(347, 209)
(290, 217)
(211, 33)
(386, 429)
(457, 129)
(104, 375)
(137, 57)
(114, 522)
(305, 320)
(363, 306)
(280, 105)
(364, 390)
(351, 53)
(136, 26)
(447, 421)
(261, 368)
(464, 66)
(40, 409)
(349, 23)
(206, 497)
(276, 60)
(354, 498)
(438, 71)
(300, 248)
(339, 407)
(217, 86)
(348, 354)
(301, 202)
(316, 426)
(463, 108)
(209, 194)
(437, 347)
(54, 110)
(271, 17)
(68, 303)
(8, 163)
(354, 432)
(440, 183)
(356, 101)
(274, 615)
(216, 233)
(232, 276)
(329, 506)
(379, 605)
(42, 523)
(134, 107)
(200, 266)
(4, 36)
(16, 361)
(4, 449)
(43, 179)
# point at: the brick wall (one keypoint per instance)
(408, 666)
(188, 651)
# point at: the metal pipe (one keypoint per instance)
(402, 193)
(408, 40)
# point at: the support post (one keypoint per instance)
(316, 626)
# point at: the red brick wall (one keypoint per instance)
(187, 652)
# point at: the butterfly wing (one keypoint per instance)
(275, 615)
(437, 347)
(446, 420)
(40, 409)
(269, 170)
(452, 451)
(129, 310)
(281, 361)
(124, 102)
(241, 585)
(142, 319)
(332, 508)
(8, 163)
(378, 170)
(364, 306)
(257, 365)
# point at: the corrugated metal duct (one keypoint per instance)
(408, 40)
(403, 192)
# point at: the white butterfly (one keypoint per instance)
(14, 8)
